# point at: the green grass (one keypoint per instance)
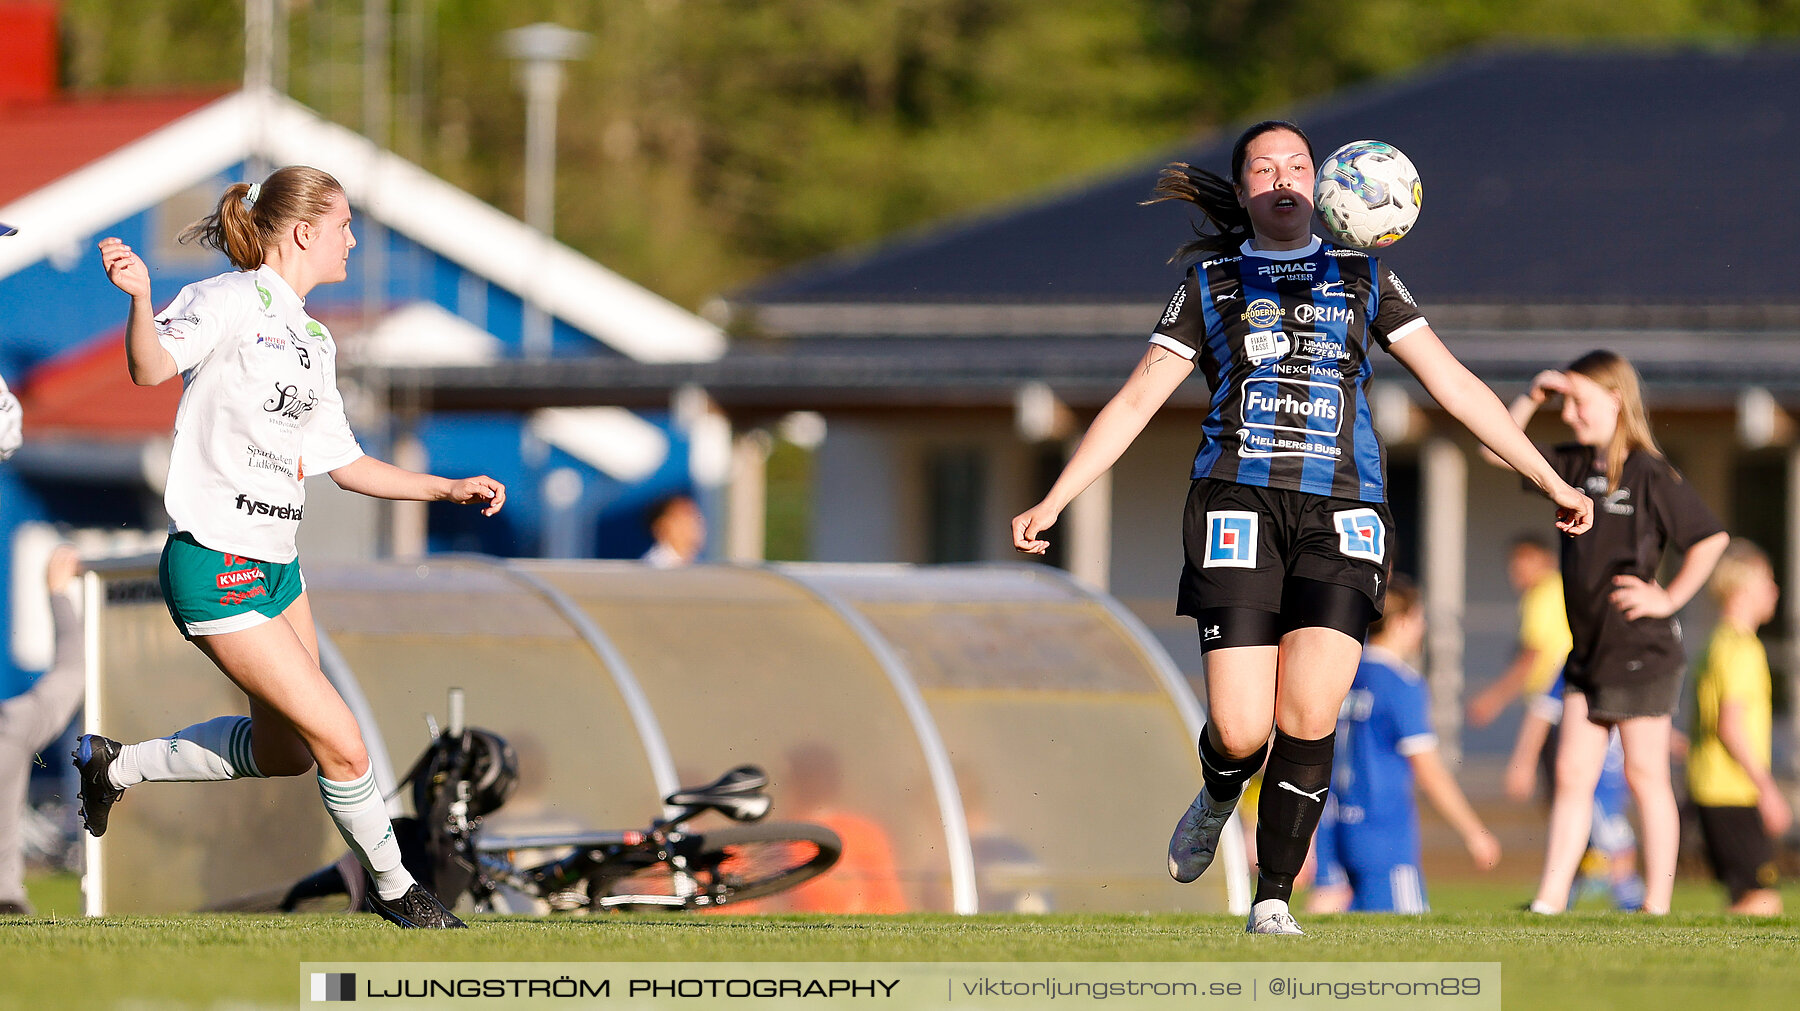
(1594, 960)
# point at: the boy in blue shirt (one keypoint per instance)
(1368, 840)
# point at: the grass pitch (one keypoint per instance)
(1590, 960)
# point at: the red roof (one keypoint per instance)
(88, 392)
(46, 134)
(45, 141)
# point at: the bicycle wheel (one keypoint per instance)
(729, 865)
(751, 861)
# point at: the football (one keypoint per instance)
(1367, 194)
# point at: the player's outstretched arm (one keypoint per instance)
(1492, 700)
(1469, 401)
(368, 476)
(1112, 432)
(149, 362)
(1521, 768)
(1440, 788)
(1526, 404)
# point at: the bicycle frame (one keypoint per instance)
(467, 773)
(599, 858)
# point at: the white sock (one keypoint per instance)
(362, 819)
(205, 752)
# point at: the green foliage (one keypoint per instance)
(704, 143)
(154, 45)
(1260, 57)
(789, 503)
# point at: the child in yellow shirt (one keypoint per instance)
(1741, 806)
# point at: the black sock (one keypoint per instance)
(1293, 797)
(1225, 776)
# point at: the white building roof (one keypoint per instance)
(421, 333)
(65, 215)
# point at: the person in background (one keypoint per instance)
(1536, 672)
(1625, 666)
(1543, 633)
(12, 422)
(677, 530)
(33, 720)
(1741, 806)
(1610, 863)
(867, 876)
(1009, 876)
(12, 419)
(1368, 840)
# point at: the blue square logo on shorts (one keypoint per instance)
(1230, 539)
(1360, 534)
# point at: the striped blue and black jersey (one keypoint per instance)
(1283, 338)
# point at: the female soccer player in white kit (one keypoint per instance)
(259, 410)
(1286, 525)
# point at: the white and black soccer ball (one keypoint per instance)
(1367, 194)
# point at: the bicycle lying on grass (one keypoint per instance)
(467, 773)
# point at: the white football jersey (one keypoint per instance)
(259, 410)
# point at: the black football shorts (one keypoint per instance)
(1741, 854)
(1244, 542)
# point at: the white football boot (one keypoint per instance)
(1196, 837)
(1271, 916)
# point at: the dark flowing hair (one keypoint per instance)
(246, 232)
(1227, 223)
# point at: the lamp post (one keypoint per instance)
(541, 50)
(265, 72)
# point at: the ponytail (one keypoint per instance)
(249, 220)
(229, 229)
(1217, 199)
(1216, 196)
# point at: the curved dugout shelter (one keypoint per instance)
(985, 738)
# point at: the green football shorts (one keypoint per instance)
(210, 592)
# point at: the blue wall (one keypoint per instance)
(608, 514)
(52, 307)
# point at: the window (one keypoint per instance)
(1405, 498)
(1759, 513)
(955, 490)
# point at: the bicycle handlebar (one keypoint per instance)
(455, 714)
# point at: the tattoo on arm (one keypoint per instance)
(1155, 356)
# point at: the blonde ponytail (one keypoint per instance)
(247, 232)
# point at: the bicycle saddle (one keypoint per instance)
(737, 794)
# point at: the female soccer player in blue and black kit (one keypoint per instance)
(1287, 528)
